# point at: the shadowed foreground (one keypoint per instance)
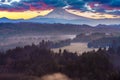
(39, 63)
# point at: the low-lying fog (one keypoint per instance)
(15, 41)
(12, 42)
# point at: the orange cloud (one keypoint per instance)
(92, 15)
(25, 14)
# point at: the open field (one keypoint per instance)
(76, 47)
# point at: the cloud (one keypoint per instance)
(21, 5)
(115, 3)
(112, 3)
(24, 5)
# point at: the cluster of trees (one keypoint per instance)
(105, 42)
(52, 44)
(88, 37)
(38, 61)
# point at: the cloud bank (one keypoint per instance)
(108, 6)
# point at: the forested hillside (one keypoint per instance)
(39, 61)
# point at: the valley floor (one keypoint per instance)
(76, 47)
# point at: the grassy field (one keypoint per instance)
(76, 47)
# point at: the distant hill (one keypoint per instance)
(37, 28)
(108, 26)
(6, 20)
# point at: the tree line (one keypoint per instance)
(39, 60)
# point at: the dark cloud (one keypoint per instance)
(55, 3)
(115, 3)
(112, 3)
(101, 1)
(44, 4)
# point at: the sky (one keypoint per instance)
(27, 9)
